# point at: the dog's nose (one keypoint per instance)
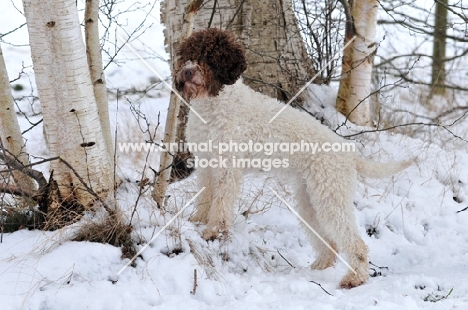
(188, 74)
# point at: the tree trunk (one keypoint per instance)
(277, 60)
(71, 119)
(354, 91)
(173, 122)
(438, 53)
(10, 132)
(93, 51)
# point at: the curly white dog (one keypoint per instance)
(324, 182)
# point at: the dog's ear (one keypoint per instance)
(219, 50)
(226, 57)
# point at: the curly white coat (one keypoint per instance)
(324, 182)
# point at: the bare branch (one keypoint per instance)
(40, 179)
(350, 29)
(320, 285)
(11, 31)
(32, 126)
(452, 10)
(17, 191)
(234, 16)
(25, 169)
(212, 13)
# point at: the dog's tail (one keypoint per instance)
(381, 170)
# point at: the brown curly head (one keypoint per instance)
(219, 56)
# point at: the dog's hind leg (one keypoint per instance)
(357, 254)
(325, 257)
(226, 187)
(332, 200)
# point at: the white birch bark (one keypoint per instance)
(71, 119)
(10, 132)
(353, 95)
(93, 51)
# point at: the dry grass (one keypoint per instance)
(111, 230)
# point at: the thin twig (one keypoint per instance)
(194, 291)
(11, 31)
(285, 259)
(235, 14)
(88, 189)
(32, 126)
(115, 146)
(212, 13)
(320, 285)
(464, 18)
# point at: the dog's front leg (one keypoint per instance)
(205, 200)
(226, 187)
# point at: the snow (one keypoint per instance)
(418, 242)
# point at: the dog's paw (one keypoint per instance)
(213, 232)
(323, 262)
(352, 280)
(210, 235)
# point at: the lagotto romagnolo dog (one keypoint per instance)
(208, 73)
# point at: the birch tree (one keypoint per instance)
(10, 133)
(71, 119)
(93, 51)
(353, 94)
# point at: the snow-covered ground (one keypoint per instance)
(418, 242)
